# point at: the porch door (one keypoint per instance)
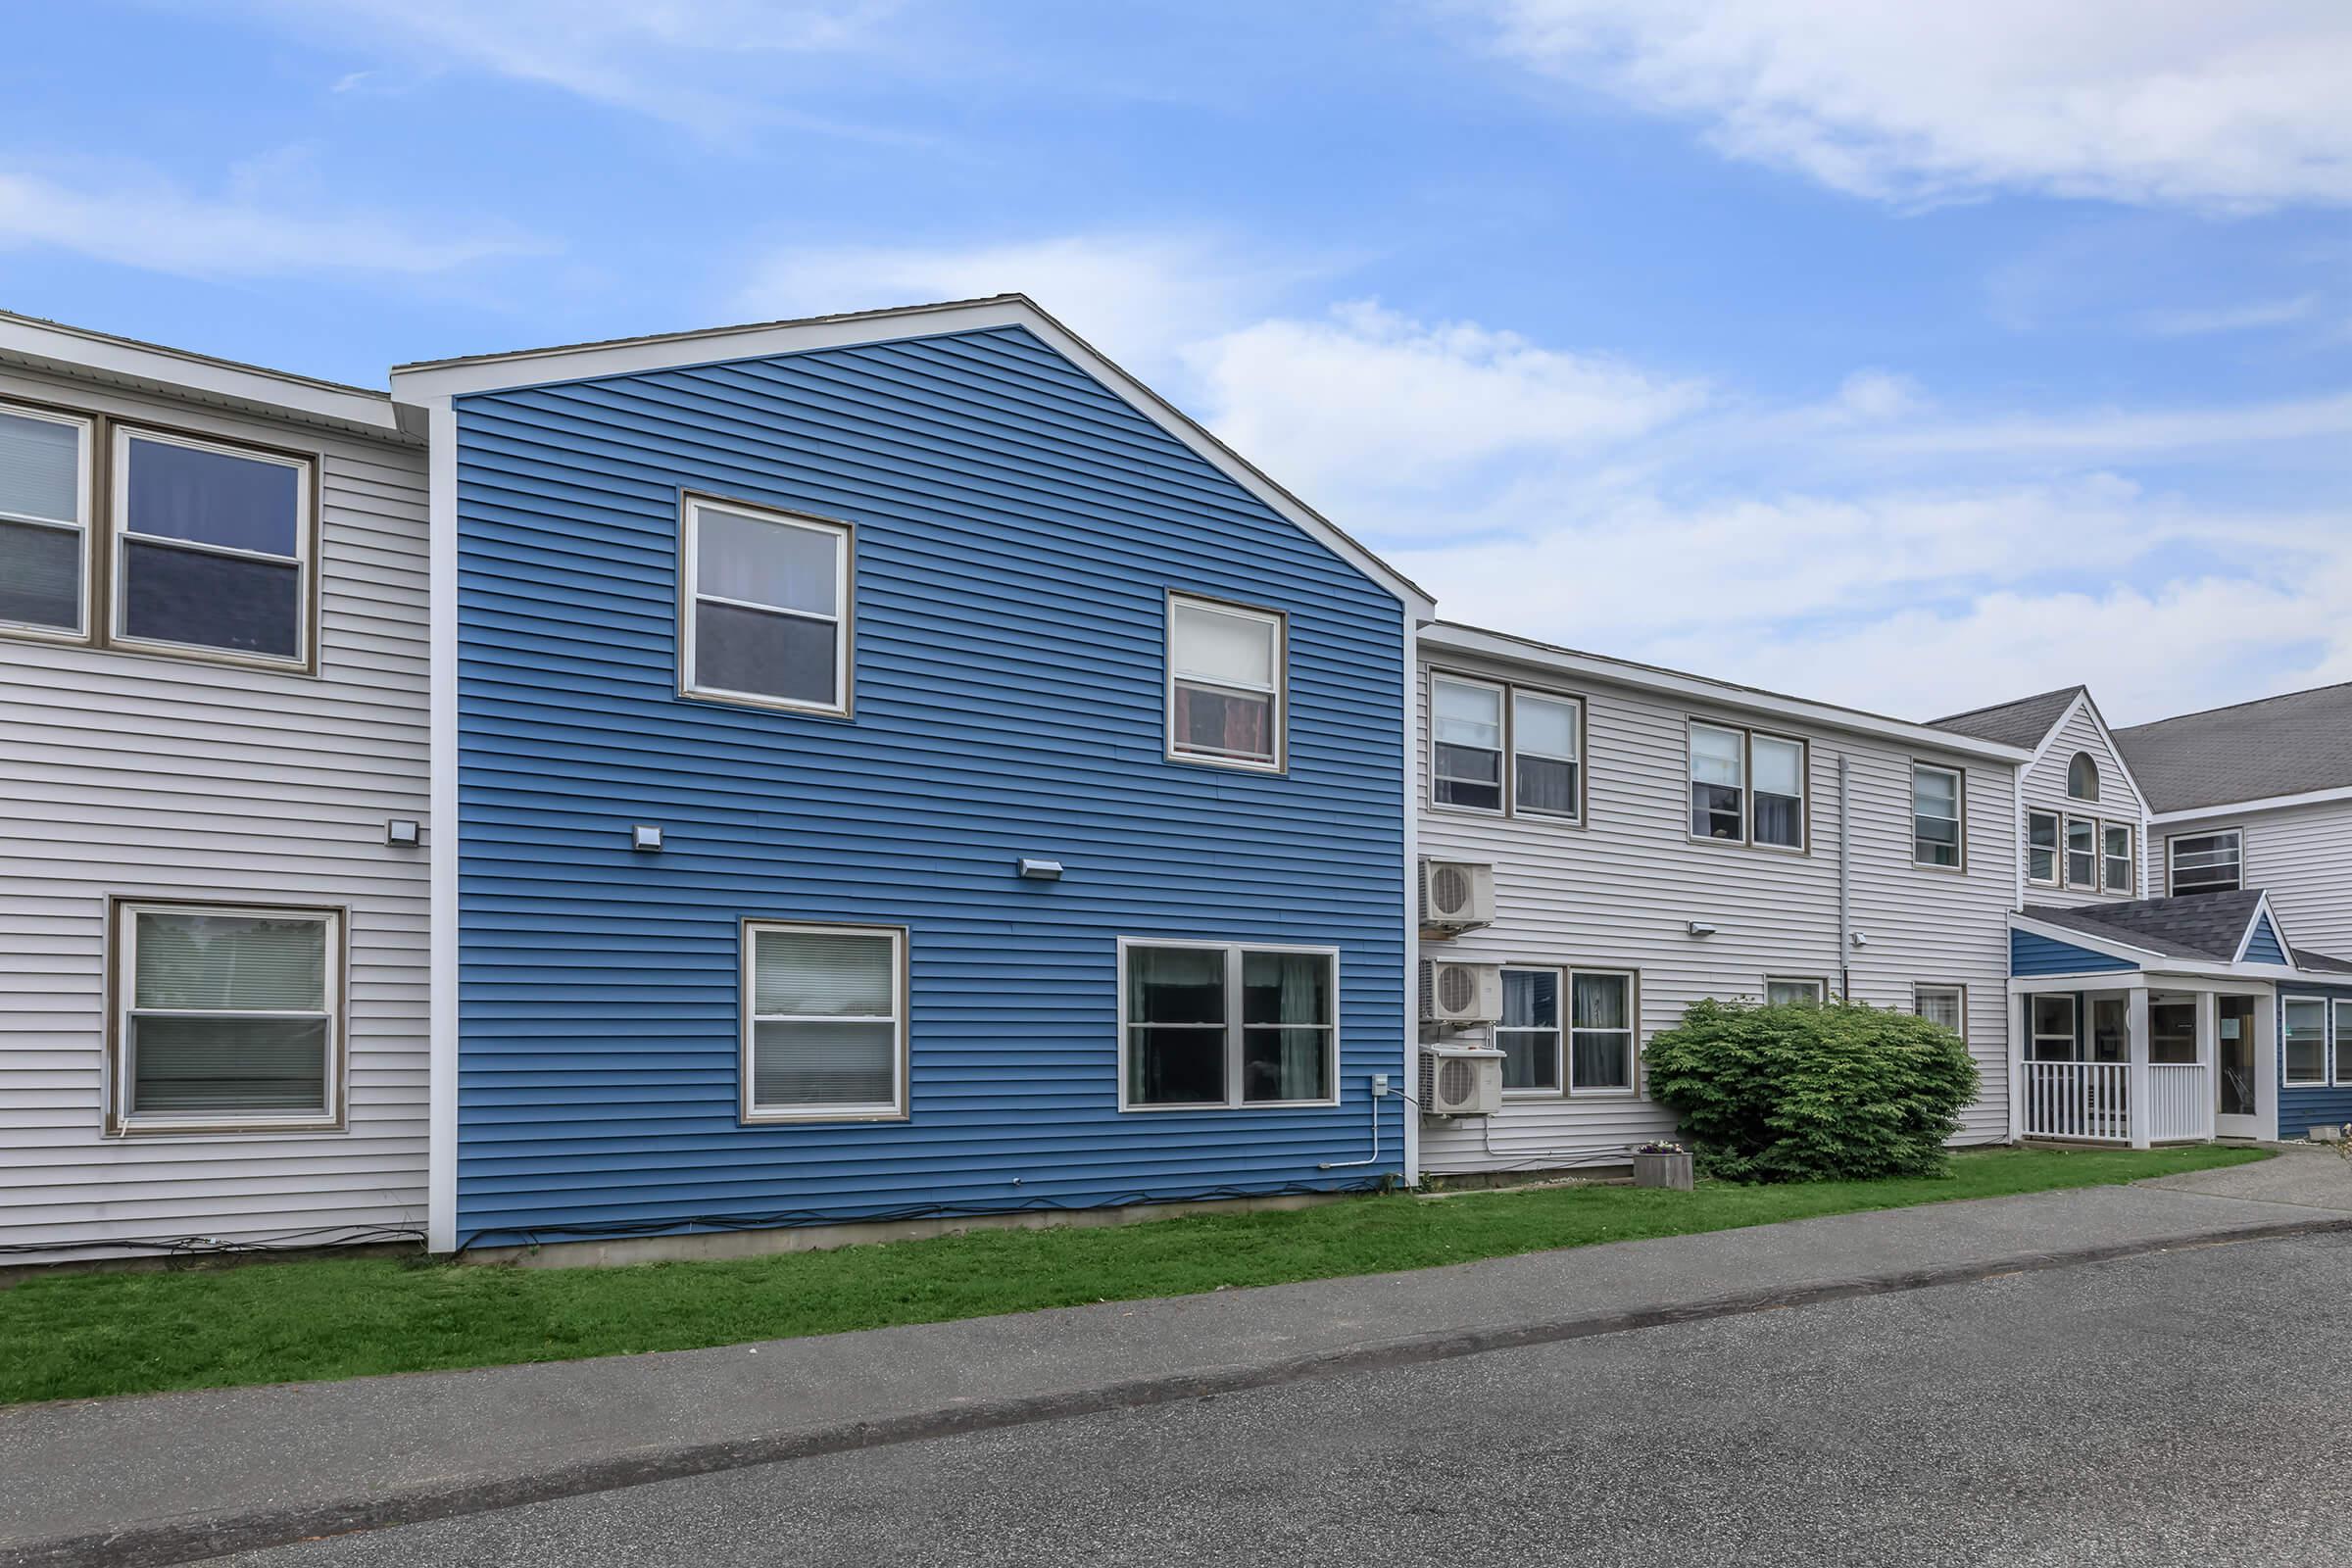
(2236, 1083)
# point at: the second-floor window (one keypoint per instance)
(1226, 665)
(1746, 787)
(2082, 852)
(2116, 858)
(2205, 863)
(2041, 847)
(767, 608)
(2083, 778)
(45, 522)
(1935, 815)
(1496, 747)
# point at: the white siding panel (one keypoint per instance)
(2044, 787)
(136, 775)
(2301, 856)
(1621, 892)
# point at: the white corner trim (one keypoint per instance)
(452, 379)
(1408, 1063)
(442, 845)
(1501, 646)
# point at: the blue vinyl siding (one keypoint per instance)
(1017, 530)
(2031, 954)
(2266, 948)
(2301, 1108)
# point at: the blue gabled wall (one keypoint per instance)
(2033, 955)
(2265, 947)
(1018, 530)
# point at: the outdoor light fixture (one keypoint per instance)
(1701, 928)
(1041, 871)
(645, 836)
(1859, 940)
(403, 833)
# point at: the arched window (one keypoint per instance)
(2082, 777)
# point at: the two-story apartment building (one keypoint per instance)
(1656, 838)
(897, 765)
(213, 895)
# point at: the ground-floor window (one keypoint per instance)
(825, 1022)
(227, 1017)
(2053, 1031)
(1779, 989)
(1225, 1024)
(1593, 1055)
(2343, 1040)
(2303, 1035)
(1943, 1004)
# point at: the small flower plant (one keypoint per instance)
(1657, 1146)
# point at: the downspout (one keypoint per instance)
(1845, 878)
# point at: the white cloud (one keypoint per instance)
(1135, 296)
(2114, 432)
(2148, 101)
(2252, 316)
(142, 221)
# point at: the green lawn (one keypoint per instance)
(76, 1336)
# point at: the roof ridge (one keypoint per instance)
(2225, 707)
(2014, 702)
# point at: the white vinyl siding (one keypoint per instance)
(2074, 879)
(1620, 896)
(134, 778)
(2299, 856)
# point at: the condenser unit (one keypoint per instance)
(1460, 1081)
(1456, 896)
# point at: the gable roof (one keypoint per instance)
(1449, 636)
(2026, 722)
(2209, 927)
(432, 380)
(2298, 744)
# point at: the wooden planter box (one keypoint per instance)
(1662, 1171)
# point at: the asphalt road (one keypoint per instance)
(2186, 1407)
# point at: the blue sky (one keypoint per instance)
(1912, 358)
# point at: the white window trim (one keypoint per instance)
(2066, 852)
(1630, 1089)
(2340, 1010)
(1958, 992)
(2098, 780)
(2057, 876)
(746, 1001)
(1958, 819)
(1232, 1026)
(85, 529)
(2074, 1026)
(1559, 1031)
(2130, 835)
(844, 616)
(2171, 840)
(1278, 694)
(120, 537)
(123, 1121)
(1819, 983)
(1502, 740)
(2327, 1044)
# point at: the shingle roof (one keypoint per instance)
(2023, 722)
(2205, 926)
(2287, 745)
(2322, 962)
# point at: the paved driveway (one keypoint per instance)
(2190, 1407)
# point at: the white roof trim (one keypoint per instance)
(2098, 721)
(443, 379)
(71, 349)
(2267, 802)
(1797, 709)
(2261, 912)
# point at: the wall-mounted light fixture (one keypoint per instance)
(1859, 940)
(1701, 928)
(403, 833)
(1037, 871)
(645, 836)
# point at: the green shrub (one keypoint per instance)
(1806, 1091)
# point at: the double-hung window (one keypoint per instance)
(45, 522)
(2205, 863)
(1206, 1024)
(2304, 1040)
(766, 608)
(1942, 1005)
(2082, 852)
(1599, 1059)
(227, 1018)
(2053, 1027)
(1935, 810)
(1529, 1036)
(1747, 788)
(1600, 1032)
(825, 1022)
(2041, 847)
(1547, 754)
(1226, 667)
(2117, 861)
(1466, 743)
(211, 548)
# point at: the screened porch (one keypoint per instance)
(2142, 1060)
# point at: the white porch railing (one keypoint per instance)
(2079, 1100)
(2180, 1101)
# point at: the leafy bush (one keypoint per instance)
(1808, 1092)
